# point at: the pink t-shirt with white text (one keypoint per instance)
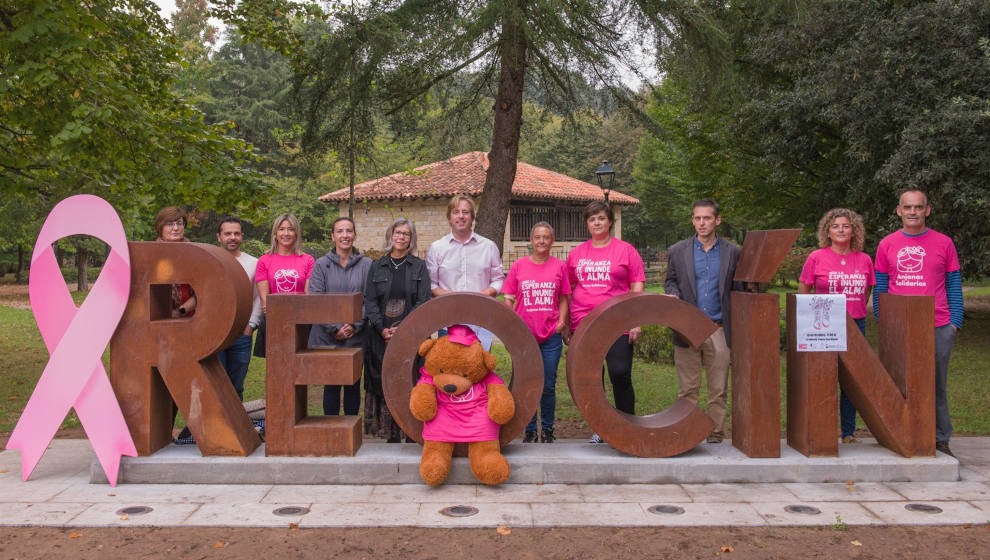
(285, 274)
(916, 265)
(537, 289)
(831, 273)
(461, 417)
(597, 274)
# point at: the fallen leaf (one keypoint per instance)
(75, 535)
(856, 543)
(851, 482)
(111, 494)
(4, 471)
(503, 530)
(727, 549)
(219, 544)
(12, 398)
(123, 517)
(967, 526)
(293, 526)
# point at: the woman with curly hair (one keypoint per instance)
(841, 267)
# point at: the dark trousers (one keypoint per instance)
(352, 399)
(618, 360)
(847, 412)
(945, 338)
(235, 359)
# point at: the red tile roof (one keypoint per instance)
(465, 174)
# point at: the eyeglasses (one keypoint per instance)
(401, 234)
(175, 224)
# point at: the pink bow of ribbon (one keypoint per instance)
(76, 338)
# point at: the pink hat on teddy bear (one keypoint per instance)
(462, 334)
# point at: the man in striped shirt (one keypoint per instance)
(919, 261)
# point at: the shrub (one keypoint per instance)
(790, 269)
(655, 345)
(71, 274)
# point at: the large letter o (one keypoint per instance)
(664, 434)
(400, 357)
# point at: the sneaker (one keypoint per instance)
(596, 439)
(715, 437)
(548, 435)
(530, 437)
(185, 438)
(849, 439)
(943, 446)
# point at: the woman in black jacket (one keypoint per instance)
(397, 283)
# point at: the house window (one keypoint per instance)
(567, 221)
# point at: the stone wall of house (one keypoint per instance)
(430, 217)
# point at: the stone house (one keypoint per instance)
(422, 195)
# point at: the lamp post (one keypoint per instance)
(606, 178)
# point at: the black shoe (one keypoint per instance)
(943, 446)
(185, 438)
(548, 435)
(530, 437)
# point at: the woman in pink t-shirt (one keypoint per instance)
(841, 267)
(537, 288)
(284, 269)
(601, 268)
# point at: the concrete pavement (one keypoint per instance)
(60, 494)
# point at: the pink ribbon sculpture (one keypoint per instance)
(76, 338)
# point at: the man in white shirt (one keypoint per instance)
(237, 356)
(463, 261)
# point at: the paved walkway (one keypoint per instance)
(59, 494)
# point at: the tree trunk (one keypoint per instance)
(82, 266)
(494, 207)
(19, 275)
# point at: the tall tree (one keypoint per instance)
(411, 46)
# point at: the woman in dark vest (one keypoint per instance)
(397, 283)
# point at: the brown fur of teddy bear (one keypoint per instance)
(455, 368)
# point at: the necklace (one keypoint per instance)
(396, 265)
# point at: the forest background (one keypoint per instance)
(777, 109)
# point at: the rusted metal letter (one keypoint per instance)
(669, 432)
(755, 341)
(292, 366)
(155, 359)
(893, 392)
(398, 367)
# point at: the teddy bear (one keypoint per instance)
(460, 399)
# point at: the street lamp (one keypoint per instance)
(606, 178)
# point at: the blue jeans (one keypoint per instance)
(235, 359)
(551, 350)
(847, 412)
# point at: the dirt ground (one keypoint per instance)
(591, 542)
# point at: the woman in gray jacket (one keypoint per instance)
(342, 270)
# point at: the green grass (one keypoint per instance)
(23, 357)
